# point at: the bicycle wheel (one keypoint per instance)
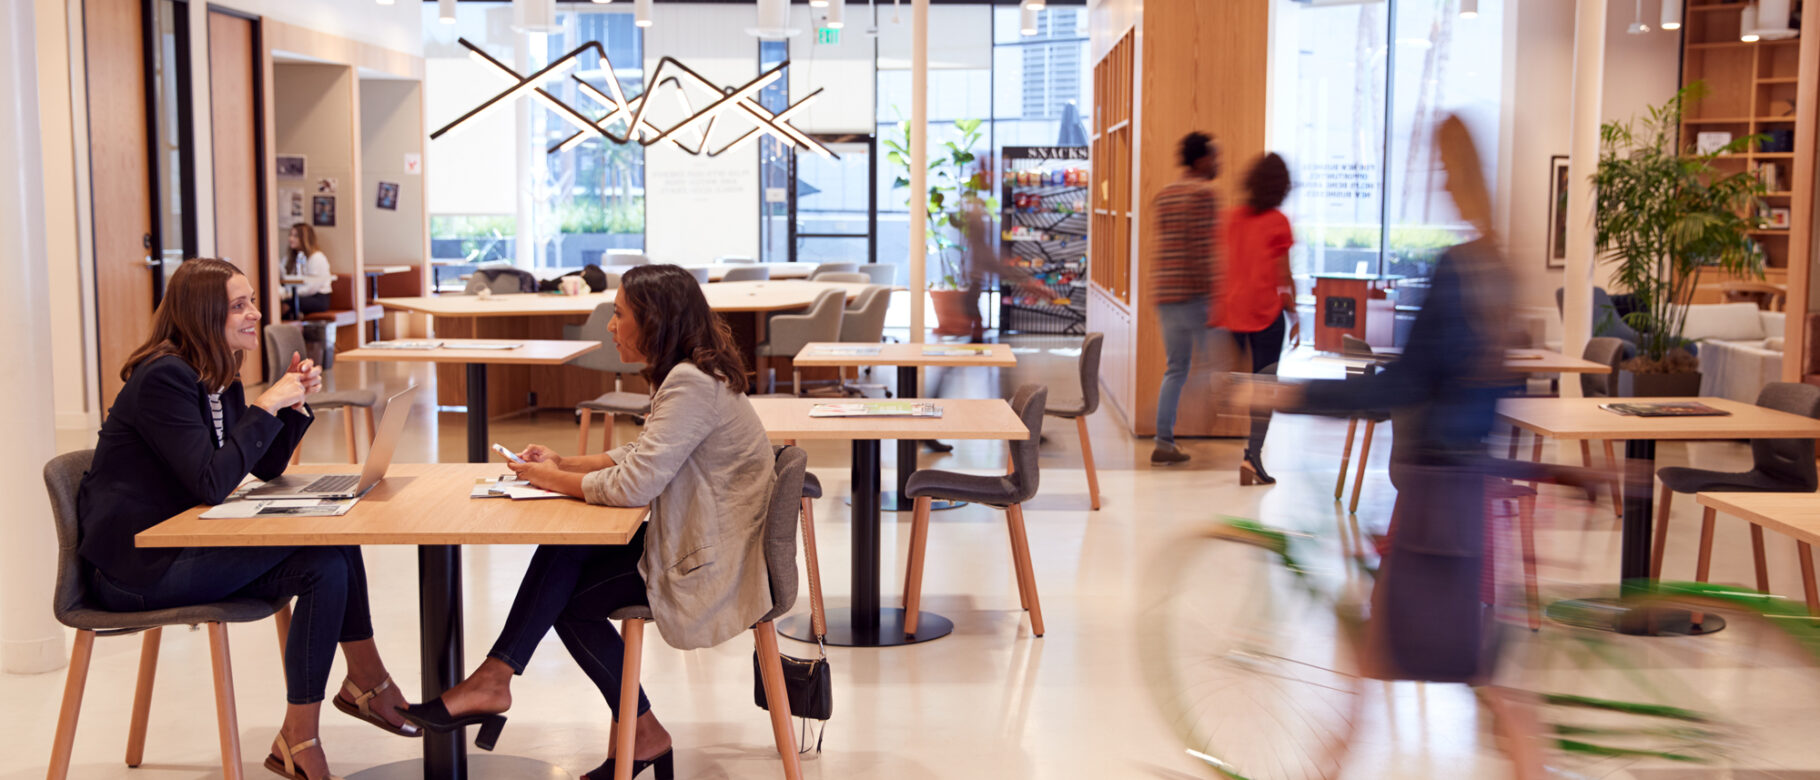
(1248, 657)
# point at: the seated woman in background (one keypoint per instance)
(308, 261)
(180, 434)
(704, 466)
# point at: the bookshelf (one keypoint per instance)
(1110, 223)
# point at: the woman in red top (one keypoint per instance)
(1259, 288)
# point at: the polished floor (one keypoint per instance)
(989, 701)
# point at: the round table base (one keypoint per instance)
(890, 631)
(1638, 619)
(480, 767)
(888, 501)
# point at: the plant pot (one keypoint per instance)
(951, 313)
(1685, 384)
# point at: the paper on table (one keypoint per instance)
(958, 350)
(846, 351)
(428, 344)
(876, 409)
(479, 345)
(292, 507)
(509, 486)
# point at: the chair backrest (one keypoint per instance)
(624, 257)
(754, 273)
(1028, 403)
(845, 268)
(282, 339)
(780, 529)
(701, 274)
(1090, 372)
(844, 277)
(880, 273)
(1788, 460)
(864, 319)
(607, 357)
(612, 280)
(1607, 351)
(62, 475)
(735, 260)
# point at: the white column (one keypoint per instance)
(1583, 150)
(30, 638)
(919, 164)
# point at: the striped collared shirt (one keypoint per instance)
(1186, 266)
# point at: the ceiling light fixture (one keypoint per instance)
(1772, 20)
(1671, 14)
(837, 14)
(1747, 24)
(385, 2)
(534, 16)
(1036, 5)
(773, 21)
(1637, 27)
(641, 12)
(1469, 9)
(1027, 20)
(445, 11)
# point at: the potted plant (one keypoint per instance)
(1665, 214)
(949, 182)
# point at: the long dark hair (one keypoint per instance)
(1267, 183)
(191, 323)
(675, 325)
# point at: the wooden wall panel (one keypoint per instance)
(120, 184)
(233, 110)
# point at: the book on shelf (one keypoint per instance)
(876, 409)
(1665, 409)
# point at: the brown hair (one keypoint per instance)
(191, 323)
(675, 325)
(1267, 183)
(306, 238)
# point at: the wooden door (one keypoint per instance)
(119, 183)
(233, 114)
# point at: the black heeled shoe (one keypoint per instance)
(432, 715)
(665, 763)
(1252, 471)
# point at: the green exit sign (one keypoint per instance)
(827, 36)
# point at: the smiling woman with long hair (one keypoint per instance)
(704, 466)
(180, 434)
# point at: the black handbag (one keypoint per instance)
(809, 687)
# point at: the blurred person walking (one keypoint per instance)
(1186, 280)
(1259, 289)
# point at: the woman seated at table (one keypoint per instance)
(308, 261)
(703, 465)
(180, 434)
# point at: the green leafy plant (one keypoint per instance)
(953, 174)
(1664, 215)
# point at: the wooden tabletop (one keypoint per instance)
(382, 270)
(903, 354)
(962, 418)
(779, 271)
(1794, 514)
(1581, 418)
(722, 296)
(530, 352)
(417, 503)
(1547, 361)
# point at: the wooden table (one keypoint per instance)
(528, 353)
(1796, 515)
(866, 624)
(1548, 361)
(907, 357)
(425, 505)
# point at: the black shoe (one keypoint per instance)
(665, 763)
(432, 715)
(1167, 456)
(936, 446)
(1252, 471)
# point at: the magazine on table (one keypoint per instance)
(1665, 409)
(876, 409)
(238, 506)
(957, 350)
(509, 486)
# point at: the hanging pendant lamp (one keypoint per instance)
(445, 11)
(1671, 14)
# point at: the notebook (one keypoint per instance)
(876, 409)
(1675, 409)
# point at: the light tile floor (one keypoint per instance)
(988, 701)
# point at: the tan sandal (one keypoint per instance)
(280, 763)
(361, 707)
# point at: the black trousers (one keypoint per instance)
(1266, 349)
(307, 304)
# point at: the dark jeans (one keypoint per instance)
(307, 304)
(1266, 349)
(329, 583)
(573, 588)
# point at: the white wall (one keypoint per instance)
(314, 113)
(398, 26)
(390, 118)
(842, 70)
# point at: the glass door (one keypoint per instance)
(834, 202)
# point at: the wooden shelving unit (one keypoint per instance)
(1109, 227)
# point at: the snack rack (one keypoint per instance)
(1043, 227)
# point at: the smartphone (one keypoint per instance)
(511, 456)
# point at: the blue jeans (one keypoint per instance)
(1184, 326)
(573, 588)
(329, 583)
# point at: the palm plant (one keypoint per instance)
(1664, 214)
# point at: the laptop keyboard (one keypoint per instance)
(333, 483)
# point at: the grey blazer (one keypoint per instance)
(705, 467)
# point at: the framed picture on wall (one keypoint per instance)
(388, 196)
(290, 166)
(1557, 211)
(322, 210)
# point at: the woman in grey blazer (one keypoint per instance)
(703, 465)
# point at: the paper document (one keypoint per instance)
(479, 345)
(875, 409)
(958, 350)
(420, 344)
(284, 507)
(509, 486)
(845, 351)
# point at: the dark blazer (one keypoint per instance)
(156, 457)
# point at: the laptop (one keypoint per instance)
(338, 486)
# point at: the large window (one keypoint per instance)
(566, 208)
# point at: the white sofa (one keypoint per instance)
(1740, 348)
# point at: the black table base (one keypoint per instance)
(865, 623)
(477, 413)
(1634, 616)
(889, 501)
(482, 767)
(888, 631)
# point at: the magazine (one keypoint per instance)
(1674, 409)
(876, 409)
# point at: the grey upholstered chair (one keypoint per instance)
(284, 338)
(841, 277)
(701, 273)
(1009, 491)
(834, 268)
(780, 563)
(624, 257)
(613, 402)
(501, 284)
(880, 273)
(789, 333)
(1357, 348)
(750, 273)
(735, 260)
(73, 607)
(863, 322)
(1090, 402)
(1779, 466)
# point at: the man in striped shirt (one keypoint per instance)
(1185, 278)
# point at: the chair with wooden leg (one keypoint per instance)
(283, 339)
(1008, 492)
(1609, 352)
(1357, 349)
(614, 402)
(818, 618)
(1779, 466)
(780, 562)
(73, 607)
(1090, 402)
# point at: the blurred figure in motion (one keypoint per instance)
(1186, 279)
(1260, 290)
(983, 262)
(1430, 616)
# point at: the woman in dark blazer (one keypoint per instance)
(180, 434)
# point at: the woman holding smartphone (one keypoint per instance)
(181, 433)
